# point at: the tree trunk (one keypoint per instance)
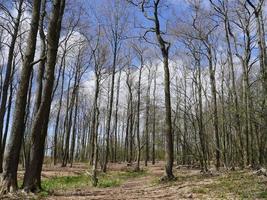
(9, 181)
(7, 120)
(154, 118)
(95, 123)
(138, 117)
(164, 46)
(201, 127)
(32, 176)
(147, 119)
(4, 92)
(73, 139)
(55, 152)
(116, 118)
(215, 112)
(263, 65)
(110, 108)
(234, 93)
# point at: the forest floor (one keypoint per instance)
(122, 183)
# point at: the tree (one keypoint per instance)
(258, 12)
(164, 46)
(33, 171)
(115, 29)
(100, 53)
(6, 85)
(140, 53)
(222, 8)
(147, 114)
(11, 160)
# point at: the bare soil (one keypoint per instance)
(190, 184)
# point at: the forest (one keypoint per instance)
(133, 99)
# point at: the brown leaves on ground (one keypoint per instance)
(190, 184)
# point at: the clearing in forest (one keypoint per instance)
(122, 183)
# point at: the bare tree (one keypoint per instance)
(33, 171)
(11, 161)
(4, 93)
(164, 46)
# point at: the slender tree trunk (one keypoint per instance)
(138, 117)
(184, 146)
(130, 119)
(215, 111)
(68, 129)
(224, 128)
(263, 64)
(55, 153)
(9, 181)
(147, 119)
(32, 173)
(164, 46)
(95, 124)
(201, 127)
(110, 108)
(95, 160)
(73, 139)
(168, 129)
(234, 93)
(116, 118)
(41, 68)
(4, 92)
(154, 119)
(7, 119)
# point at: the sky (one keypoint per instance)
(175, 6)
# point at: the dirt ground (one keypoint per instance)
(135, 188)
(190, 184)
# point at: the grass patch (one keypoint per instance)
(240, 185)
(110, 179)
(114, 179)
(131, 174)
(262, 195)
(105, 183)
(200, 190)
(65, 182)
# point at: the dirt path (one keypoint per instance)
(190, 184)
(143, 188)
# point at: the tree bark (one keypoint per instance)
(147, 119)
(154, 119)
(32, 176)
(9, 181)
(110, 107)
(116, 118)
(138, 116)
(4, 92)
(164, 46)
(214, 111)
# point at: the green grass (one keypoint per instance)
(105, 183)
(231, 185)
(262, 195)
(111, 179)
(65, 182)
(200, 190)
(241, 185)
(114, 179)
